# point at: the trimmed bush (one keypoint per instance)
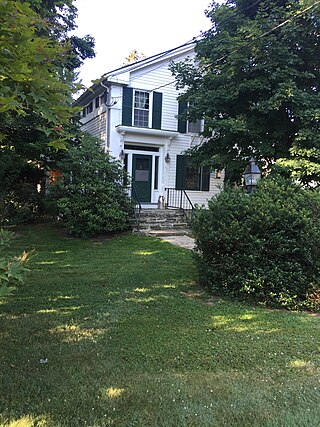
(90, 197)
(264, 246)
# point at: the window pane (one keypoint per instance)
(90, 108)
(192, 178)
(194, 127)
(156, 172)
(141, 118)
(125, 167)
(141, 109)
(141, 100)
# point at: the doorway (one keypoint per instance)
(142, 176)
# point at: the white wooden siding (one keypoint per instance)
(159, 78)
(153, 77)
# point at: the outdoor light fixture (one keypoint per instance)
(252, 175)
(121, 155)
(167, 158)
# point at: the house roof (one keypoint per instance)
(105, 79)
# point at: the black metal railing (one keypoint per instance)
(136, 204)
(179, 199)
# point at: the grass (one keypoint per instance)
(131, 341)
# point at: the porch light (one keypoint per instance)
(167, 158)
(121, 155)
(251, 175)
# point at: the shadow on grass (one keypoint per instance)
(100, 332)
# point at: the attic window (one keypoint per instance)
(141, 109)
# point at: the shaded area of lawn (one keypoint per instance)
(130, 341)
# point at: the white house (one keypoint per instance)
(134, 110)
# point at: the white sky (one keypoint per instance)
(149, 26)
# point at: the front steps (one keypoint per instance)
(162, 222)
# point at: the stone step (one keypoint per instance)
(167, 232)
(156, 212)
(164, 226)
(161, 216)
(162, 221)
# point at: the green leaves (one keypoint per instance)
(256, 83)
(90, 197)
(13, 269)
(264, 246)
(30, 74)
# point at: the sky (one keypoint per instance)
(149, 26)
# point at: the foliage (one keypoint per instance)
(37, 64)
(22, 204)
(130, 340)
(30, 79)
(265, 246)
(11, 269)
(24, 160)
(255, 82)
(134, 56)
(90, 196)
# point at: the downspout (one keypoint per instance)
(107, 100)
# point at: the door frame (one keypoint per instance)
(150, 169)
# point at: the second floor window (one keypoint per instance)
(90, 107)
(141, 109)
(187, 126)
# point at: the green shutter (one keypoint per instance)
(157, 110)
(181, 173)
(205, 178)
(127, 106)
(182, 123)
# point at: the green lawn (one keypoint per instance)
(131, 341)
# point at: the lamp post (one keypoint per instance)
(251, 175)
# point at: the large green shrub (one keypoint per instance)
(90, 197)
(265, 246)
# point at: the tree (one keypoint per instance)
(29, 76)
(61, 15)
(37, 62)
(38, 75)
(134, 56)
(255, 81)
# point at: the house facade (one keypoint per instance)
(134, 110)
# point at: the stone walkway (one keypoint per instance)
(176, 237)
(183, 241)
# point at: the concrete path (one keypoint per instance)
(176, 237)
(183, 241)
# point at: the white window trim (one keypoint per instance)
(150, 108)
